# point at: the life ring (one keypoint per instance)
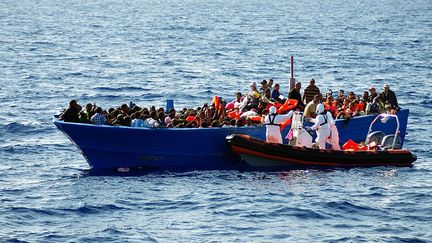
(288, 105)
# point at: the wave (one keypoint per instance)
(22, 128)
(120, 89)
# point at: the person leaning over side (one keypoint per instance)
(272, 122)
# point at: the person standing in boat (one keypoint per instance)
(272, 122)
(389, 98)
(310, 92)
(295, 94)
(321, 126)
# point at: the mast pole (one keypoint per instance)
(292, 80)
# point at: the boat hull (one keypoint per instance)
(261, 154)
(111, 147)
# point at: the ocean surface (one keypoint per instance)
(114, 52)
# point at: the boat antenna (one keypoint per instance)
(292, 80)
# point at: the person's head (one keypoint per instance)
(89, 107)
(341, 93)
(214, 123)
(264, 83)
(270, 82)
(73, 104)
(153, 115)
(161, 115)
(276, 87)
(272, 110)
(317, 98)
(365, 95)
(372, 90)
(386, 88)
(238, 96)
(253, 86)
(99, 110)
(124, 108)
(351, 95)
(312, 82)
(298, 86)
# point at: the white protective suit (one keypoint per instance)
(273, 121)
(322, 126)
(334, 138)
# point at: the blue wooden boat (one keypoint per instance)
(112, 147)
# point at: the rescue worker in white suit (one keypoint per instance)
(273, 121)
(334, 133)
(322, 126)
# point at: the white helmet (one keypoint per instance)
(272, 110)
(319, 109)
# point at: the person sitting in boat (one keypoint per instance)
(340, 99)
(330, 103)
(263, 87)
(321, 126)
(99, 118)
(137, 120)
(253, 98)
(270, 84)
(276, 95)
(71, 113)
(86, 113)
(389, 98)
(372, 94)
(266, 98)
(272, 122)
(152, 121)
(375, 107)
(295, 94)
(309, 111)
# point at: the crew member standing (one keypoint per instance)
(321, 126)
(273, 121)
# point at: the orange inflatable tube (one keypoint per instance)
(255, 118)
(288, 105)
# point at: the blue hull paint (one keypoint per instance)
(109, 147)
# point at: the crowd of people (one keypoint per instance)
(244, 110)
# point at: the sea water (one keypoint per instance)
(147, 52)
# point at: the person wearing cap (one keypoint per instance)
(295, 94)
(71, 113)
(310, 91)
(372, 94)
(272, 122)
(389, 98)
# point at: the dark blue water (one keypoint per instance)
(113, 52)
